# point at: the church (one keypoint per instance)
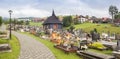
(52, 22)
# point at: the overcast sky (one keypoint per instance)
(43, 8)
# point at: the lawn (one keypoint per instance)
(100, 27)
(58, 53)
(90, 26)
(36, 24)
(14, 43)
(2, 41)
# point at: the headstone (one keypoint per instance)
(116, 54)
(93, 35)
(5, 48)
(118, 41)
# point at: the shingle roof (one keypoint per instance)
(52, 19)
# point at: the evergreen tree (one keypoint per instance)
(67, 21)
(0, 20)
(27, 22)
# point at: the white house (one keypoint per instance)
(82, 19)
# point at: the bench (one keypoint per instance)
(74, 49)
(93, 55)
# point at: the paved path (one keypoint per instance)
(3, 27)
(32, 49)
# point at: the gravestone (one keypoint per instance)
(117, 52)
(117, 37)
(5, 48)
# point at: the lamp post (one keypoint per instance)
(10, 12)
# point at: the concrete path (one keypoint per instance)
(32, 49)
(3, 27)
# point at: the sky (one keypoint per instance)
(43, 8)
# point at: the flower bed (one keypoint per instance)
(97, 45)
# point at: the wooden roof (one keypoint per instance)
(52, 19)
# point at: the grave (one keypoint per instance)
(5, 48)
(116, 53)
(109, 45)
(93, 55)
(4, 35)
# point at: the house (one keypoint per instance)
(37, 19)
(81, 19)
(117, 22)
(52, 22)
(106, 20)
(23, 19)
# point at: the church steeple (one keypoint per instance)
(53, 13)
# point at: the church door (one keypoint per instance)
(55, 26)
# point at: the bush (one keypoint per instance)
(97, 45)
(3, 33)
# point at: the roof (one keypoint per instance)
(52, 19)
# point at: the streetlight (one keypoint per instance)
(10, 12)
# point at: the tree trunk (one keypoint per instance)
(112, 19)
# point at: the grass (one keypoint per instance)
(87, 27)
(2, 41)
(14, 43)
(36, 24)
(58, 53)
(100, 27)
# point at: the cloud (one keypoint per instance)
(78, 7)
(25, 11)
(42, 8)
(4, 12)
(33, 12)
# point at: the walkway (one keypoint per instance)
(32, 49)
(3, 27)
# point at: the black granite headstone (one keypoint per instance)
(118, 41)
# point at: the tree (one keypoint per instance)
(72, 28)
(0, 20)
(117, 16)
(20, 22)
(94, 19)
(27, 22)
(76, 21)
(87, 16)
(113, 10)
(67, 21)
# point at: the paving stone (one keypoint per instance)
(32, 49)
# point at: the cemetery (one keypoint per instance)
(68, 43)
(86, 40)
(78, 30)
(82, 41)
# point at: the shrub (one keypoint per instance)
(97, 45)
(2, 33)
